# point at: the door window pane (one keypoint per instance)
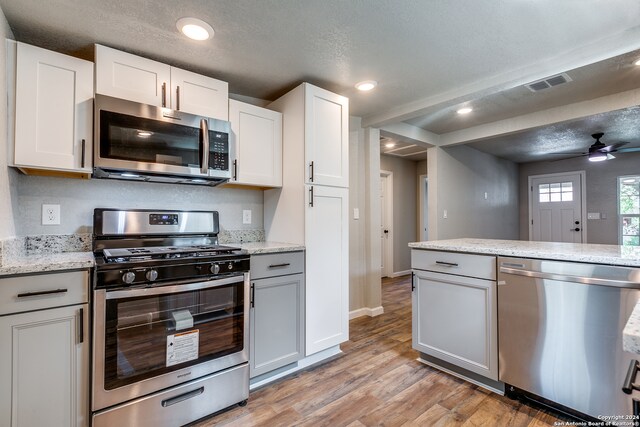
(555, 192)
(629, 210)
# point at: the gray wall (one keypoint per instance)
(7, 175)
(404, 208)
(601, 186)
(357, 229)
(77, 199)
(458, 178)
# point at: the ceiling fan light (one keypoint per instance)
(597, 156)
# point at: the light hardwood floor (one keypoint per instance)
(378, 382)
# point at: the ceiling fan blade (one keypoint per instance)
(571, 157)
(613, 147)
(628, 150)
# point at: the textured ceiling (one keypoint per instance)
(428, 56)
(547, 143)
(416, 49)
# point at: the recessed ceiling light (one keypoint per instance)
(195, 28)
(366, 85)
(637, 62)
(144, 134)
(465, 110)
(390, 144)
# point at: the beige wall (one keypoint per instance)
(458, 178)
(601, 190)
(7, 175)
(404, 208)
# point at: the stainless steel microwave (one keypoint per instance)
(147, 143)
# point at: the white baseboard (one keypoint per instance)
(366, 311)
(400, 273)
(300, 365)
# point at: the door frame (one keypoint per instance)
(423, 189)
(388, 209)
(583, 199)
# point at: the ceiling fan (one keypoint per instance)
(599, 151)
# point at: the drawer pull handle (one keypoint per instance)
(182, 397)
(448, 264)
(286, 264)
(629, 385)
(38, 293)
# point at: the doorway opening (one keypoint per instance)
(386, 223)
(423, 208)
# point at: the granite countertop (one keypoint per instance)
(580, 252)
(41, 262)
(255, 248)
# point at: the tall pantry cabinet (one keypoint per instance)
(311, 208)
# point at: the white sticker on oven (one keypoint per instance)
(182, 347)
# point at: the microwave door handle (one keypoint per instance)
(204, 146)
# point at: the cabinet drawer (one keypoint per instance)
(27, 293)
(480, 266)
(280, 264)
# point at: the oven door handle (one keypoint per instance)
(170, 289)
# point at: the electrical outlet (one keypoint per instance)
(50, 214)
(246, 216)
(444, 214)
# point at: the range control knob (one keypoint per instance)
(128, 277)
(215, 268)
(230, 266)
(152, 275)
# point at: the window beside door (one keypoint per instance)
(629, 210)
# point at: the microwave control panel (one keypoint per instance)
(219, 151)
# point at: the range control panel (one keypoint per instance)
(163, 219)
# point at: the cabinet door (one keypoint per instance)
(277, 323)
(455, 320)
(122, 75)
(327, 267)
(54, 110)
(326, 137)
(44, 366)
(197, 94)
(258, 138)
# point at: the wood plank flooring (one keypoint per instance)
(378, 382)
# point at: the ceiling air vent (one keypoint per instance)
(548, 82)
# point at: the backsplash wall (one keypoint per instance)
(78, 197)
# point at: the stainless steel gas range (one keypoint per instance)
(170, 319)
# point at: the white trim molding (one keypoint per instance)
(399, 273)
(366, 311)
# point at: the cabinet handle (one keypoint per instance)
(311, 171)
(448, 264)
(38, 293)
(311, 196)
(235, 170)
(164, 94)
(253, 295)
(636, 407)
(81, 326)
(413, 285)
(628, 386)
(286, 264)
(178, 98)
(82, 152)
(182, 397)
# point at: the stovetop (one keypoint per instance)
(123, 255)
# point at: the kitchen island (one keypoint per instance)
(538, 320)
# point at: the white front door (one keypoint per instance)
(556, 208)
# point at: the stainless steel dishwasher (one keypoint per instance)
(560, 334)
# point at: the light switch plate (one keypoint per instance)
(444, 214)
(356, 213)
(593, 215)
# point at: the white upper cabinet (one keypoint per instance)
(123, 75)
(197, 94)
(326, 137)
(258, 137)
(53, 111)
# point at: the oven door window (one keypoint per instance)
(152, 335)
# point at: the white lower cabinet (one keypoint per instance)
(44, 357)
(327, 267)
(277, 311)
(455, 317)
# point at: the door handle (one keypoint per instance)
(82, 153)
(386, 231)
(253, 295)
(311, 171)
(178, 98)
(164, 94)
(81, 326)
(575, 229)
(235, 170)
(311, 196)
